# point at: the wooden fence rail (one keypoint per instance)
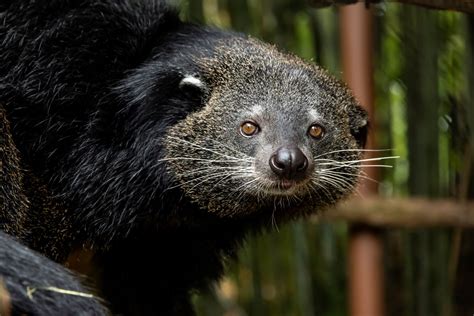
(456, 5)
(409, 213)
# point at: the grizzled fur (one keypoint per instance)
(125, 138)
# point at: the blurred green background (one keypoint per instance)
(423, 75)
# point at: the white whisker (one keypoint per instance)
(207, 149)
(352, 150)
(363, 160)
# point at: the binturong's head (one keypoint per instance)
(275, 133)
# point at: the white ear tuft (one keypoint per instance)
(190, 80)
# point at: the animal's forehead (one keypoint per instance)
(281, 93)
(259, 75)
(294, 115)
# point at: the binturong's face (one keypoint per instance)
(275, 133)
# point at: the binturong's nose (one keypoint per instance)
(289, 162)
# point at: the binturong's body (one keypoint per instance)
(159, 145)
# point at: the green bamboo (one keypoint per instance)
(421, 71)
(303, 271)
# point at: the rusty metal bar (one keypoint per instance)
(365, 246)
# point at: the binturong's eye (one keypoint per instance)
(316, 131)
(249, 129)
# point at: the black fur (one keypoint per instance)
(72, 78)
(90, 87)
(34, 284)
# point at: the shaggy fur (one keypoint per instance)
(38, 286)
(125, 138)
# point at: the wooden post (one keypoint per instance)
(365, 246)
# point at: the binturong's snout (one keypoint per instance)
(289, 163)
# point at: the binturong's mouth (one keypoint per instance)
(286, 184)
(284, 187)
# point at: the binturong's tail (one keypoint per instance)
(31, 284)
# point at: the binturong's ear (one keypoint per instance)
(193, 86)
(359, 124)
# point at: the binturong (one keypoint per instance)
(158, 146)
